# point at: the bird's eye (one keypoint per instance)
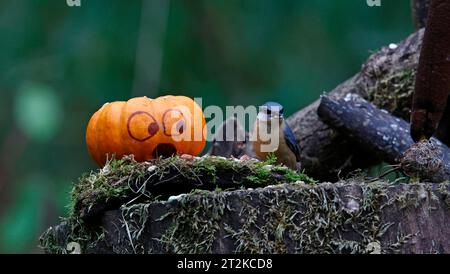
(269, 111)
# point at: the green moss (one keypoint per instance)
(394, 93)
(313, 219)
(110, 182)
(126, 179)
(271, 159)
(49, 242)
(134, 218)
(408, 199)
(195, 223)
(76, 234)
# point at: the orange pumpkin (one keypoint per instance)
(146, 128)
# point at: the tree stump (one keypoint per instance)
(294, 215)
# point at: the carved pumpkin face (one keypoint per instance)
(146, 128)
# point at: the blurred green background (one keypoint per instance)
(60, 64)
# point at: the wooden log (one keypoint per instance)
(432, 86)
(386, 136)
(346, 217)
(419, 10)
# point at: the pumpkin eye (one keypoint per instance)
(180, 127)
(153, 128)
(142, 126)
(174, 123)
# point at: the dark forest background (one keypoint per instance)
(58, 65)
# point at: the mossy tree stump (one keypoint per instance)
(231, 206)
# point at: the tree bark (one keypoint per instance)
(387, 137)
(420, 12)
(432, 86)
(346, 217)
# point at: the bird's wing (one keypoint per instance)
(291, 141)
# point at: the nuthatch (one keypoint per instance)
(271, 134)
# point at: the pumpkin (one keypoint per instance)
(147, 128)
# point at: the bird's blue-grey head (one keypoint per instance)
(270, 111)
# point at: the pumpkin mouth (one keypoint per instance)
(164, 150)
